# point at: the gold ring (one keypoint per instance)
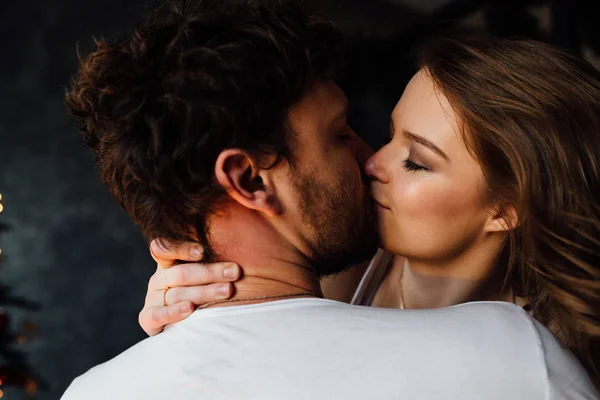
(165, 296)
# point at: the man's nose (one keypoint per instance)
(363, 151)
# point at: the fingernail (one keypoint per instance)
(196, 252)
(184, 308)
(232, 272)
(223, 290)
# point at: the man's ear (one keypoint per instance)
(503, 218)
(249, 185)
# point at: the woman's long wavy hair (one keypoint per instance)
(531, 116)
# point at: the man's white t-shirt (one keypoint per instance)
(323, 349)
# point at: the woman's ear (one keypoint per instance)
(245, 182)
(502, 218)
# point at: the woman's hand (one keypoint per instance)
(187, 285)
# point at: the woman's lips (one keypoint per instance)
(379, 204)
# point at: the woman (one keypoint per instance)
(487, 190)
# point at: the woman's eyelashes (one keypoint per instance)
(408, 164)
(413, 167)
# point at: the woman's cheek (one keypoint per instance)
(411, 196)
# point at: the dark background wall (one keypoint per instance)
(74, 269)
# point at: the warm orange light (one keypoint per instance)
(31, 387)
(1, 394)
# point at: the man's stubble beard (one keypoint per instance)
(344, 227)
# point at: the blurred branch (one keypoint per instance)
(14, 370)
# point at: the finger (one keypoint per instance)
(196, 294)
(153, 320)
(166, 253)
(194, 275)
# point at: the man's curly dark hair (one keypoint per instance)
(196, 77)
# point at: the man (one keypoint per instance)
(219, 122)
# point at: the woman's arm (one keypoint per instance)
(181, 282)
(175, 289)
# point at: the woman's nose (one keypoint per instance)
(375, 168)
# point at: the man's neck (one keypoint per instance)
(272, 266)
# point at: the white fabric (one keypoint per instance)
(322, 349)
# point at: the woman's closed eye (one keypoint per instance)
(413, 167)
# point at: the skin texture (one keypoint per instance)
(329, 189)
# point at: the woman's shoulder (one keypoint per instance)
(341, 287)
